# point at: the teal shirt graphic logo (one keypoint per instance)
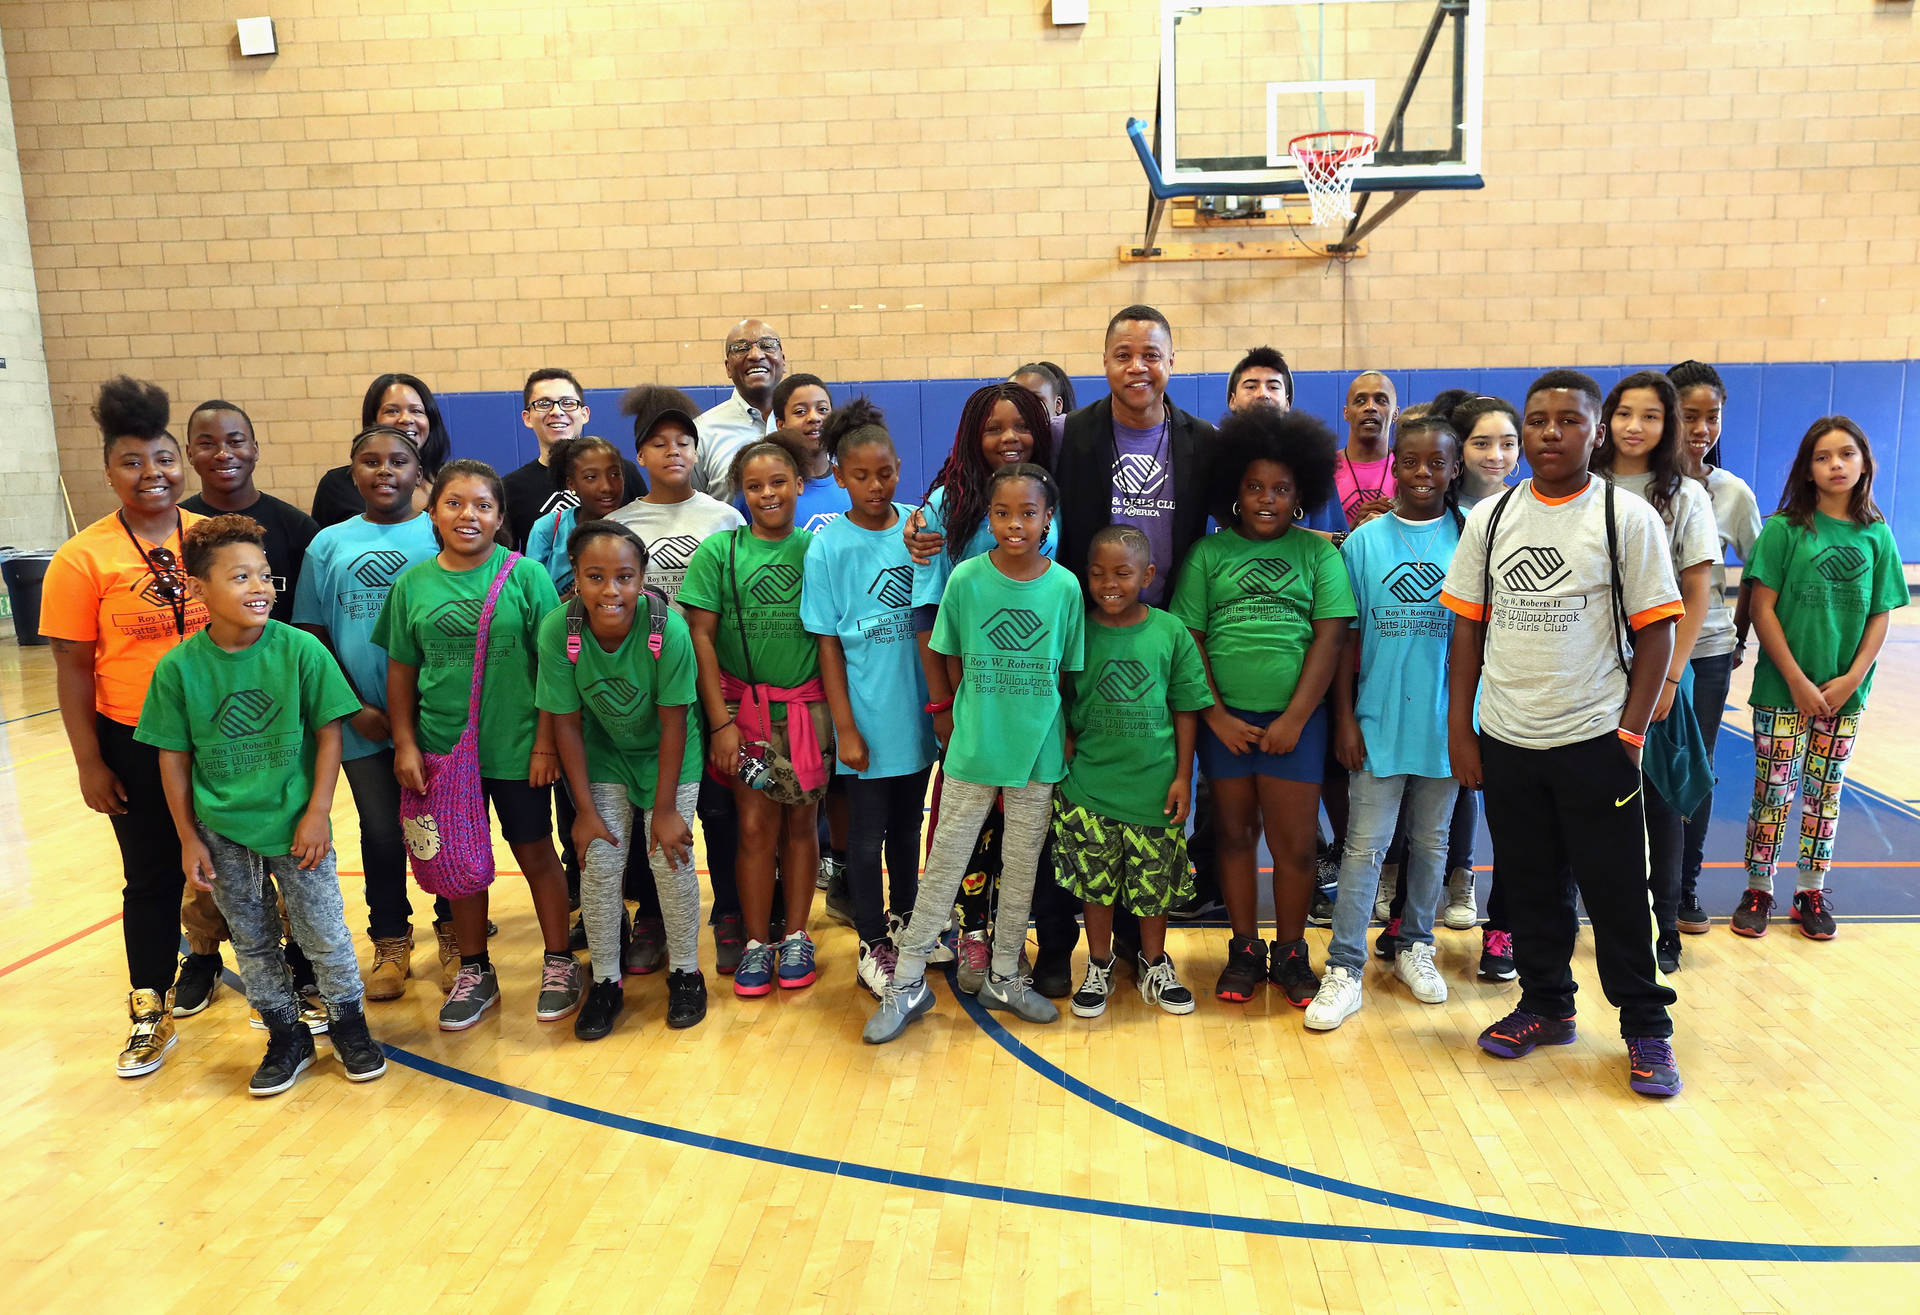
(377, 569)
(774, 584)
(893, 587)
(1414, 582)
(1123, 680)
(245, 712)
(1264, 575)
(1014, 629)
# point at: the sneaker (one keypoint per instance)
(1751, 914)
(686, 998)
(754, 977)
(1320, 912)
(942, 952)
(1016, 996)
(1160, 985)
(831, 870)
(199, 979)
(728, 941)
(354, 1046)
(1246, 969)
(392, 965)
(1414, 966)
(1651, 1067)
(1337, 1000)
(1693, 919)
(975, 955)
(796, 962)
(1519, 1032)
(903, 1002)
(647, 948)
(560, 988)
(1090, 1001)
(1289, 969)
(1496, 956)
(449, 948)
(877, 961)
(1326, 866)
(839, 896)
(313, 1010)
(1387, 944)
(1053, 973)
(289, 1054)
(475, 990)
(1389, 887)
(1666, 952)
(1197, 908)
(1461, 914)
(150, 1033)
(597, 1013)
(1812, 909)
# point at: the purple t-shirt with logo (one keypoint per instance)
(1143, 496)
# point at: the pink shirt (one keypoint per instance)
(1361, 481)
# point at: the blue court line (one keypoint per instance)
(29, 716)
(1570, 1242)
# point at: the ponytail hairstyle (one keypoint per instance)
(131, 408)
(468, 468)
(1027, 470)
(372, 432)
(1446, 400)
(587, 531)
(1664, 461)
(857, 424)
(1433, 423)
(1800, 498)
(965, 477)
(1698, 374)
(790, 445)
(562, 455)
(437, 446)
(1467, 414)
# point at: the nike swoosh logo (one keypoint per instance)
(1622, 803)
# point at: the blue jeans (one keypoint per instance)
(244, 889)
(1373, 810)
(1711, 677)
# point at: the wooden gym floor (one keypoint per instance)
(767, 1160)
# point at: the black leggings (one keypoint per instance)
(149, 860)
(884, 816)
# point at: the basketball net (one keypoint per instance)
(1328, 163)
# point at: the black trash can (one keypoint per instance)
(24, 574)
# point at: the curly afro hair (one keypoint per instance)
(1297, 440)
(204, 539)
(131, 408)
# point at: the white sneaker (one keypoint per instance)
(1414, 966)
(1160, 985)
(1090, 1001)
(1461, 914)
(1389, 885)
(942, 952)
(1337, 1001)
(876, 966)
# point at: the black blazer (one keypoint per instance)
(1083, 468)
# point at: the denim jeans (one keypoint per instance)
(383, 853)
(243, 887)
(1711, 677)
(1373, 810)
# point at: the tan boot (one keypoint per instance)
(151, 1035)
(449, 955)
(392, 965)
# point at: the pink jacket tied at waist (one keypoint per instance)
(755, 720)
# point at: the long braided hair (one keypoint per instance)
(964, 478)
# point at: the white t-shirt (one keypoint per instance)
(1736, 518)
(1554, 673)
(1690, 529)
(671, 531)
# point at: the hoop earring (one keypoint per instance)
(1236, 509)
(1298, 513)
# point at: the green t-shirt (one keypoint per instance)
(1829, 583)
(768, 576)
(429, 622)
(1120, 711)
(1014, 639)
(249, 719)
(618, 694)
(1254, 603)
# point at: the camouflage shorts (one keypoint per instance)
(1143, 869)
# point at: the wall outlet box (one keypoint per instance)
(1069, 13)
(256, 36)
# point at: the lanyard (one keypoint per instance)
(160, 561)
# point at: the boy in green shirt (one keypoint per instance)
(1119, 816)
(246, 715)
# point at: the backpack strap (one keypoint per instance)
(1486, 569)
(576, 622)
(656, 623)
(1616, 594)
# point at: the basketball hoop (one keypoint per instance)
(1328, 162)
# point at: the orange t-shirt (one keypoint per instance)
(98, 588)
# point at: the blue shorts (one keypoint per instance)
(1306, 763)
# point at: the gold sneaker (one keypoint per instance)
(312, 1010)
(449, 954)
(151, 1035)
(392, 965)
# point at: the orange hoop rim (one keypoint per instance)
(1345, 146)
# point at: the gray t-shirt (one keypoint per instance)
(1690, 531)
(1553, 673)
(671, 531)
(1736, 518)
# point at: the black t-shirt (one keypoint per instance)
(336, 498)
(289, 531)
(530, 495)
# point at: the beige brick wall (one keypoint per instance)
(913, 188)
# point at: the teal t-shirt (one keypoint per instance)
(1254, 602)
(250, 720)
(1829, 582)
(429, 622)
(1014, 639)
(349, 571)
(1121, 712)
(859, 590)
(1396, 568)
(766, 577)
(930, 581)
(547, 544)
(618, 696)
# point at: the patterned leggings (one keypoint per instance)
(1784, 738)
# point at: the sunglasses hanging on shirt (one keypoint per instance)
(166, 572)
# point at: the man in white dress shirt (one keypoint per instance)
(755, 362)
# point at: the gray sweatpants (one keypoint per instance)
(963, 807)
(603, 871)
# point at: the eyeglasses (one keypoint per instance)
(567, 405)
(767, 345)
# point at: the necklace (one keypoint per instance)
(1123, 479)
(1406, 549)
(1361, 494)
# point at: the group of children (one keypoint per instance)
(1559, 647)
